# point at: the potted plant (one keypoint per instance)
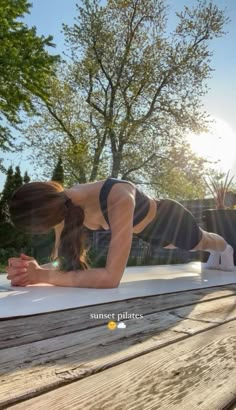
(222, 219)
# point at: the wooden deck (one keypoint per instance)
(181, 355)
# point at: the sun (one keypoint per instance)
(216, 145)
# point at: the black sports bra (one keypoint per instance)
(142, 203)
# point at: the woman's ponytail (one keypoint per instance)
(71, 250)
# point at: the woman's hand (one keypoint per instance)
(23, 271)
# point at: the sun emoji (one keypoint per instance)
(111, 325)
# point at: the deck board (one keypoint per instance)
(85, 350)
(194, 373)
(19, 331)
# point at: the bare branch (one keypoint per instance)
(152, 105)
(138, 167)
(62, 124)
(99, 60)
(95, 106)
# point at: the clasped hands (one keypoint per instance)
(23, 271)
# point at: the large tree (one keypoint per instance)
(25, 66)
(142, 83)
(137, 87)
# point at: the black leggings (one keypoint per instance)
(173, 224)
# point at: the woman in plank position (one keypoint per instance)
(39, 207)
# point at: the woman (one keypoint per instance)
(39, 207)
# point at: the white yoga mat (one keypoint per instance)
(137, 281)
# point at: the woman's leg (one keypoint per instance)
(221, 254)
(210, 241)
(175, 227)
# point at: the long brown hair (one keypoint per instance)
(37, 207)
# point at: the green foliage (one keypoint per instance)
(25, 65)
(9, 235)
(58, 173)
(7, 193)
(181, 175)
(142, 86)
(63, 130)
(26, 178)
(132, 261)
(96, 259)
(12, 240)
(18, 180)
(41, 246)
(5, 254)
(130, 93)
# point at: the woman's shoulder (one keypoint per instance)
(88, 185)
(117, 189)
(87, 189)
(97, 187)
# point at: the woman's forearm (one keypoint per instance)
(50, 265)
(91, 278)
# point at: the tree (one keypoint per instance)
(25, 66)
(12, 239)
(8, 234)
(181, 175)
(58, 173)
(18, 180)
(63, 130)
(6, 193)
(26, 178)
(132, 90)
(142, 85)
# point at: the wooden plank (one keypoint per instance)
(43, 365)
(232, 286)
(49, 363)
(197, 373)
(218, 311)
(15, 332)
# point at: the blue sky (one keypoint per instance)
(48, 16)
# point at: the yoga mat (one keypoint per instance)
(136, 282)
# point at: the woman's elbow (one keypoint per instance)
(113, 281)
(115, 284)
(110, 284)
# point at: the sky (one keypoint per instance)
(48, 16)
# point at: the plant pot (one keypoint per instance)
(222, 222)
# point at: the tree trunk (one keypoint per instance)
(117, 156)
(96, 161)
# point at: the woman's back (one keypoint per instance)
(94, 199)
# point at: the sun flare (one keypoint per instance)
(216, 145)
